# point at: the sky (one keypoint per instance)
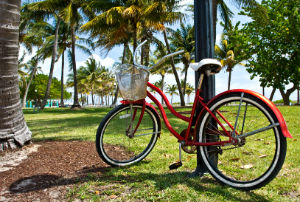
(240, 77)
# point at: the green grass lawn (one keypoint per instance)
(151, 179)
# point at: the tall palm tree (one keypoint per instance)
(51, 7)
(230, 52)
(32, 68)
(183, 39)
(172, 90)
(163, 69)
(91, 74)
(189, 90)
(13, 129)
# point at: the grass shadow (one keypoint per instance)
(103, 175)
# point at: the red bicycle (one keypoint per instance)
(240, 134)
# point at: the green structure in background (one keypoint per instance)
(54, 103)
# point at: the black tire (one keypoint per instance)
(118, 149)
(258, 158)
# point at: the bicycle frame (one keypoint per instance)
(197, 99)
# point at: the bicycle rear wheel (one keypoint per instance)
(258, 156)
(113, 142)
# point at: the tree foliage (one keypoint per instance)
(38, 87)
(273, 45)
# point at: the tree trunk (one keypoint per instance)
(298, 102)
(272, 94)
(263, 91)
(229, 79)
(13, 129)
(27, 87)
(182, 103)
(134, 37)
(92, 92)
(54, 52)
(286, 95)
(117, 89)
(162, 87)
(75, 101)
(62, 104)
(186, 66)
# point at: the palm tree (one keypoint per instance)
(32, 68)
(183, 39)
(91, 74)
(65, 43)
(51, 7)
(163, 69)
(13, 129)
(172, 90)
(230, 52)
(189, 90)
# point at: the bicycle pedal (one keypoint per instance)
(175, 165)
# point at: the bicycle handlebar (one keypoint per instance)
(165, 57)
(159, 62)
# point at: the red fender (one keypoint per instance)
(270, 104)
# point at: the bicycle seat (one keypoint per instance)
(208, 65)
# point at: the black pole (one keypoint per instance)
(204, 35)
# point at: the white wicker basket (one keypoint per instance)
(132, 82)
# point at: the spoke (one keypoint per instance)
(238, 113)
(144, 129)
(244, 118)
(145, 134)
(216, 129)
(259, 130)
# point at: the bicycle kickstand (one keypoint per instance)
(178, 163)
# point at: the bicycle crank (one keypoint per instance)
(190, 149)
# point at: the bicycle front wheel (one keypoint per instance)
(260, 153)
(116, 146)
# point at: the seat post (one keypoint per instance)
(200, 81)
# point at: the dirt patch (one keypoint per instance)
(48, 171)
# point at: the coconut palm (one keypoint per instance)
(65, 43)
(183, 39)
(32, 69)
(189, 90)
(91, 74)
(13, 129)
(172, 90)
(163, 69)
(230, 52)
(51, 7)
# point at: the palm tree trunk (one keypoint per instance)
(182, 103)
(54, 52)
(75, 101)
(162, 87)
(123, 61)
(186, 66)
(263, 90)
(298, 102)
(229, 80)
(92, 92)
(13, 129)
(134, 36)
(62, 104)
(27, 87)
